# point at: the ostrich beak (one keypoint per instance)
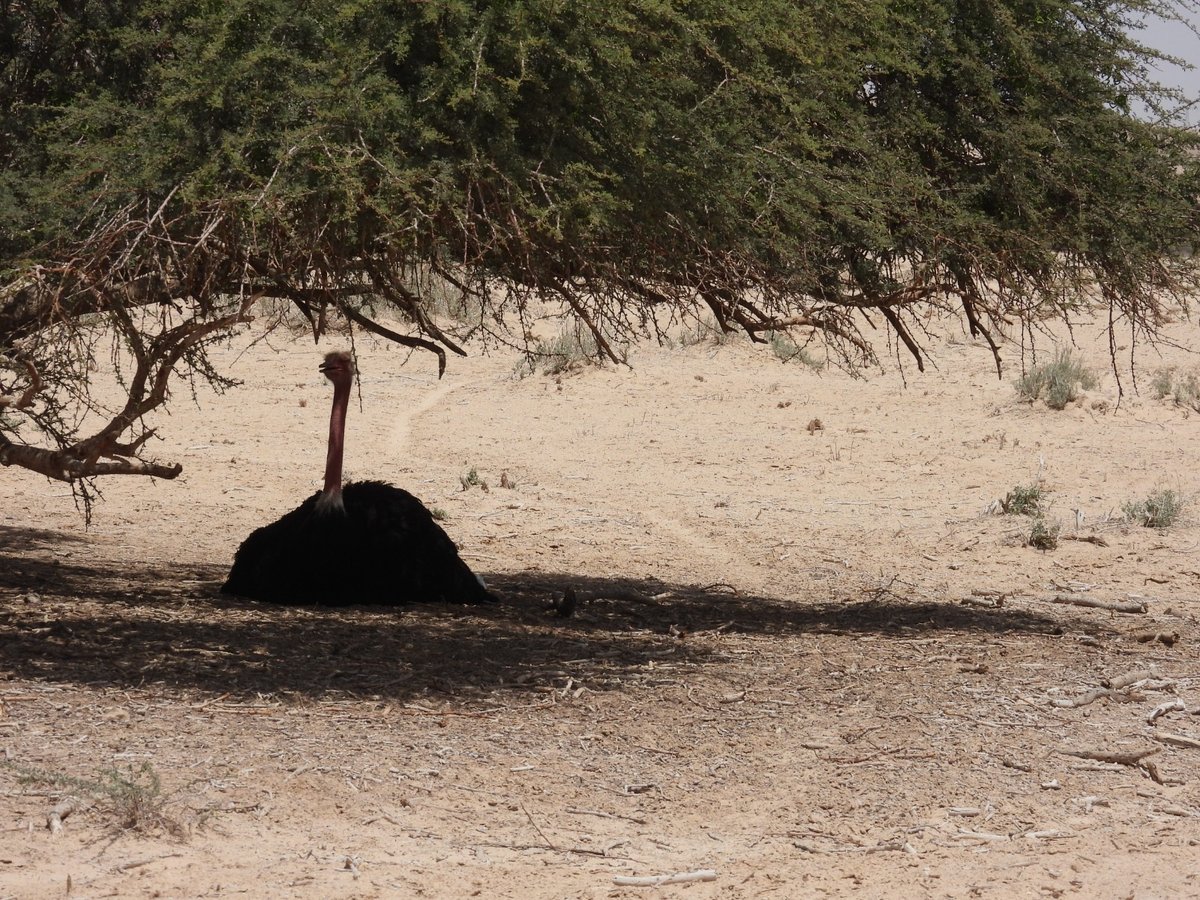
(336, 365)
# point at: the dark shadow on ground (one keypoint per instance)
(14, 540)
(65, 621)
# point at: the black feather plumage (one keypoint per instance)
(380, 546)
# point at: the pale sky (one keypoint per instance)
(1177, 40)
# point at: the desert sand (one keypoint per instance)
(817, 661)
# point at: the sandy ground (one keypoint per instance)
(809, 660)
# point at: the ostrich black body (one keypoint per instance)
(380, 547)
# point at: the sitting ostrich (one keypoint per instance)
(366, 542)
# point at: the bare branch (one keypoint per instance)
(24, 400)
(406, 340)
(63, 465)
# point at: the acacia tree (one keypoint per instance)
(167, 167)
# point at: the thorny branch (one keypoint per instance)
(158, 282)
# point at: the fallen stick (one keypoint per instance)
(1119, 757)
(1169, 638)
(1181, 811)
(1177, 740)
(1157, 684)
(992, 602)
(538, 829)
(1162, 709)
(61, 810)
(138, 863)
(1087, 539)
(655, 880)
(583, 851)
(640, 788)
(1049, 834)
(982, 836)
(575, 810)
(1122, 606)
(1082, 700)
(1117, 682)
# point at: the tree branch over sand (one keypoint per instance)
(775, 168)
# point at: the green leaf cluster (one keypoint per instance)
(822, 166)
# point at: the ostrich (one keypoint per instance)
(366, 542)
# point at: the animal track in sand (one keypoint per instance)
(401, 429)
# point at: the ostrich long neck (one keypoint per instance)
(337, 440)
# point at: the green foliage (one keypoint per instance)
(472, 479)
(1043, 535)
(1161, 385)
(567, 351)
(1023, 501)
(1159, 510)
(134, 798)
(704, 330)
(1181, 388)
(815, 167)
(809, 143)
(787, 350)
(1058, 382)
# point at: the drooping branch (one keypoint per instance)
(969, 301)
(65, 466)
(148, 389)
(45, 298)
(406, 340)
(386, 282)
(25, 399)
(900, 329)
(572, 301)
(624, 211)
(807, 321)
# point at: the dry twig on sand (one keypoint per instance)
(1120, 757)
(1133, 758)
(1177, 740)
(1169, 638)
(1119, 682)
(1162, 709)
(655, 880)
(1083, 699)
(1121, 606)
(1086, 539)
(577, 811)
(62, 809)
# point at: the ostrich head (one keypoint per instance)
(338, 367)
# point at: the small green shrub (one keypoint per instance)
(1181, 388)
(571, 349)
(448, 301)
(439, 514)
(133, 798)
(1057, 382)
(702, 330)
(1043, 535)
(787, 350)
(1161, 384)
(1187, 392)
(1160, 510)
(1023, 501)
(472, 479)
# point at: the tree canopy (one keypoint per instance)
(166, 168)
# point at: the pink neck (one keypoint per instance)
(337, 438)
